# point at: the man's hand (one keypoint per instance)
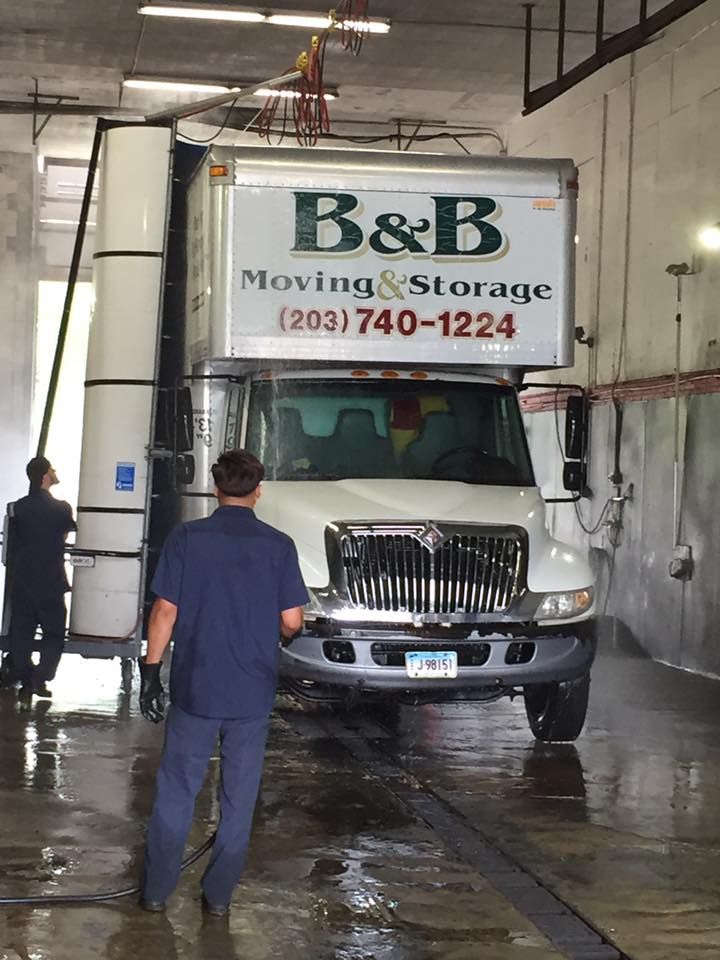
(152, 694)
(291, 623)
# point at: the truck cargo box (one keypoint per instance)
(334, 255)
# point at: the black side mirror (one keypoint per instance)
(575, 476)
(185, 468)
(183, 420)
(576, 428)
(164, 418)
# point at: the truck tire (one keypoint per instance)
(556, 711)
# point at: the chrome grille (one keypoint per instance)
(468, 573)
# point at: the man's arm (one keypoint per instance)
(291, 622)
(293, 596)
(160, 628)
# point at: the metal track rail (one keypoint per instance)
(571, 933)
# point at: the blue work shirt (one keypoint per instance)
(230, 575)
(40, 526)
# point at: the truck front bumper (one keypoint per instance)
(486, 661)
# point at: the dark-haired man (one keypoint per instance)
(224, 586)
(40, 526)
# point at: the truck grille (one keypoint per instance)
(467, 573)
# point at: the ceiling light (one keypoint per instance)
(202, 13)
(710, 237)
(198, 86)
(291, 94)
(309, 21)
(180, 86)
(57, 222)
(367, 26)
(297, 20)
(322, 23)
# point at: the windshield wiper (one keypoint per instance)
(311, 475)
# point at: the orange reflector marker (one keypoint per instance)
(418, 375)
(502, 382)
(390, 374)
(359, 373)
(266, 375)
(219, 170)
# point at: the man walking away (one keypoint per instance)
(224, 585)
(40, 527)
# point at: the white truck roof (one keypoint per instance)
(380, 257)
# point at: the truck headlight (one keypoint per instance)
(313, 609)
(563, 606)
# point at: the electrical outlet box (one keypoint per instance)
(681, 565)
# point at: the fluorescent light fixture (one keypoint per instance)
(289, 94)
(228, 14)
(710, 237)
(321, 23)
(367, 26)
(298, 20)
(55, 222)
(180, 86)
(197, 86)
(202, 13)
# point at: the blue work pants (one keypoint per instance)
(190, 742)
(30, 609)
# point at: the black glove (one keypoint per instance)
(152, 695)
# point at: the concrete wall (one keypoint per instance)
(645, 135)
(17, 310)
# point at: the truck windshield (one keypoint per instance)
(388, 429)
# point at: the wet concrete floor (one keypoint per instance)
(625, 826)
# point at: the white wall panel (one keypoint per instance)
(663, 105)
(696, 68)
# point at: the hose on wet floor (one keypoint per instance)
(67, 899)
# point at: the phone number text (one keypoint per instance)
(365, 321)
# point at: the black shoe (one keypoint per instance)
(43, 691)
(152, 906)
(214, 909)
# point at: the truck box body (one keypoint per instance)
(360, 321)
(360, 258)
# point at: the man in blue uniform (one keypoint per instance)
(40, 527)
(227, 587)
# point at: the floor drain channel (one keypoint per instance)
(568, 932)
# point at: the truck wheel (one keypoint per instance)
(556, 711)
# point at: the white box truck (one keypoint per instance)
(362, 321)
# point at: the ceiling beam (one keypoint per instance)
(616, 46)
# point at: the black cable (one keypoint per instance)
(66, 899)
(217, 133)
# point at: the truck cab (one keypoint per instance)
(411, 498)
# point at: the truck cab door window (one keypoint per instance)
(233, 418)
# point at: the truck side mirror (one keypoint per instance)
(184, 468)
(183, 420)
(576, 428)
(164, 418)
(574, 476)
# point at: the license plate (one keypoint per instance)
(431, 665)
